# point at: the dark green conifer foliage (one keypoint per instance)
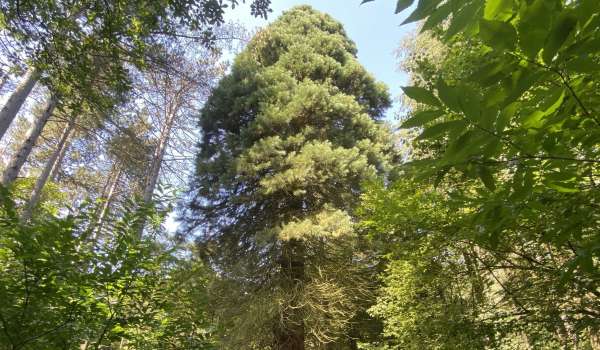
(288, 137)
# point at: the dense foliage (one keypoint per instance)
(306, 222)
(288, 137)
(62, 288)
(506, 109)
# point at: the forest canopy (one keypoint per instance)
(155, 196)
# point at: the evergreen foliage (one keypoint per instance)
(288, 137)
(472, 226)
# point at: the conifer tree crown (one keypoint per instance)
(289, 136)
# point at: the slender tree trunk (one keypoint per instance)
(58, 164)
(17, 98)
(16, 163)
(290, 335)
(107, 202)
(157, 159)
(52, 163)
(3, 80)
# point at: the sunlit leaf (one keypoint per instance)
(421, 95)
(422, 118)
(499, 10)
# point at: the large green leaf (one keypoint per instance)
(463, 18)
(469, 101)
(421, 95)
(584, 64)
(486, 177)
(497, 34)
(467, 144)
(535, 21)
(563, 187)
(424, 8)
(422, 118)
(499, 10)
(441, 128)
(448, 95)
(440, 14)
(560, 32)
(402, 5)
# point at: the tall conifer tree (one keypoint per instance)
(288, 137)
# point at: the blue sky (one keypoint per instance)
(373, 26)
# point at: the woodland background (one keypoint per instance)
(306, 219)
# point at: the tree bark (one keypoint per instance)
(157, 159)
(107, 201)
(18, 160)
(16, 163)
(17, 98)
(58, 164)
(52, 163)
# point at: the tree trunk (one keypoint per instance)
(157, 158)
(3, 80)
(51, 164)
(107, 201)
(17, 98)
(58, 164)
(290, 334)
(16, 163)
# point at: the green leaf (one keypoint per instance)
(533, 120)
(533, 27)
(462, 19)
(424, 8)
(536, 118)
(519, 82)
(441, 128)
(554, 101)
(563, 187)
(583, 65)
(421, 95)
(560, 32)
(486, 177)
(440, 14)
(498, 35)
(403, 5)
(500, 10)
(467, 144)
(470, 103)
(448, 95)
(422, 118)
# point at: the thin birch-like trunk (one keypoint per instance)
(17, 98)
(16, 163)
(107, 202)
(157, 159)
(58, 164)
(51, 164)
